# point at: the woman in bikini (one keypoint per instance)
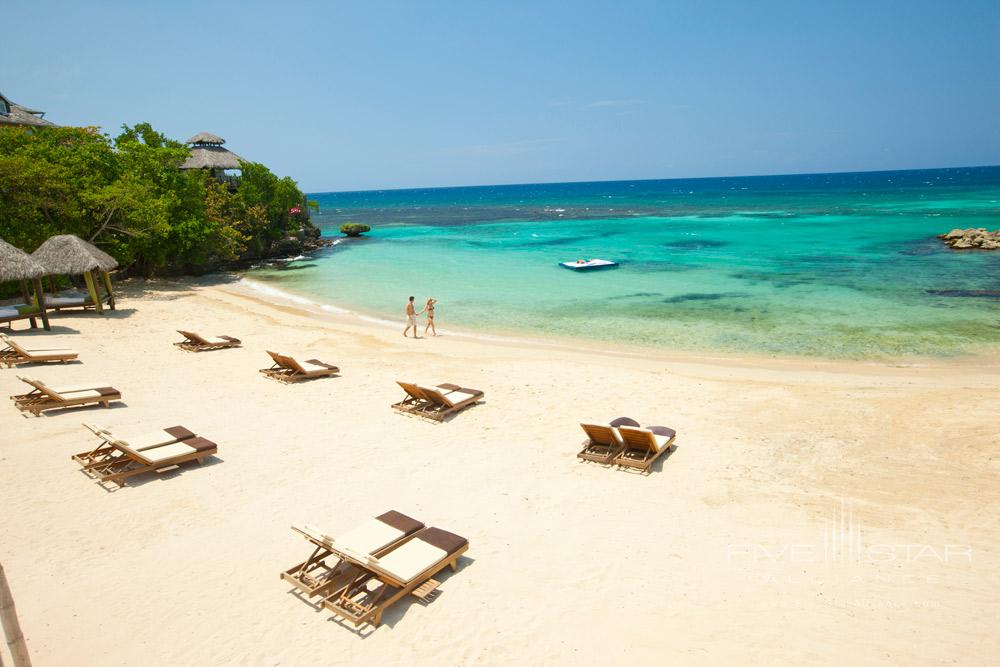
(429, 309)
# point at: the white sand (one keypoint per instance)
(731, 549)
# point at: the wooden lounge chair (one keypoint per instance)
(442, 400)
(125, 461)
(288, 369)
(603, 441)
(195, 343)
(415, 398)
(406, 569)
(106, 449)
(643, 446)
(14, 353)
(42, 397)
(315, 576)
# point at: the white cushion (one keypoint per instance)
(76, 395)
(70, 388)
(409, 560)
(160, 454)
(217, 341)
(370, 536)
(309, 368)
(146, 440)
(66, 300)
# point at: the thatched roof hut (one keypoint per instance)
(70, 255)
(207, 153)
(15, 114)
(15, 264)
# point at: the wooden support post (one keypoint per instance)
(40, 300)
(107, 286)
(27, 303)
(11, 628)
(95, 297)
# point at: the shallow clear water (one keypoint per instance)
(842, 265)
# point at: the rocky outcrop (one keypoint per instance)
(980, 238)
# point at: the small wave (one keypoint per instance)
(274, 292)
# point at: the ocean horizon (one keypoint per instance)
(838, 265)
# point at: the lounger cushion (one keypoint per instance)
(369, 537)
(400, 521)
(51, 352)
(434, 391)
(378, 533)
(662, 431)
(658, 439)
(624, 421)
(77, 395)
(158, 438)
(463, 395)
(422, 552)
(219, 340)
(313, 366)
(410, 559)
(200, 444)
(176, 450)
(165, 453)
(442, 539)
(67, 389)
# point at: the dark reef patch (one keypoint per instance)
(971, 293)
(637, 295)
(705, 296)
(696, 244)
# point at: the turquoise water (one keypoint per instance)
(842, 265)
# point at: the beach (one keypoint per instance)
(814, 511)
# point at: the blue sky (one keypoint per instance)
(370, 95)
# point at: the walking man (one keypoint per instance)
(411, 319)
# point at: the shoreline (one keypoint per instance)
(269, 295)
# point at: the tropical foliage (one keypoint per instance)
(128, 195)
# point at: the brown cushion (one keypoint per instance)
(108, 391)
(471, 391)
(442, 539)
(400, 521)
(201, 444)
(230, 339)
(448, 386)
(624, 421)
(662, 430)
(320, 363)
(179, 432)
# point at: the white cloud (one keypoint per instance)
(612, 103)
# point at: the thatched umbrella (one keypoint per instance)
(15, 264)
(70, 255)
